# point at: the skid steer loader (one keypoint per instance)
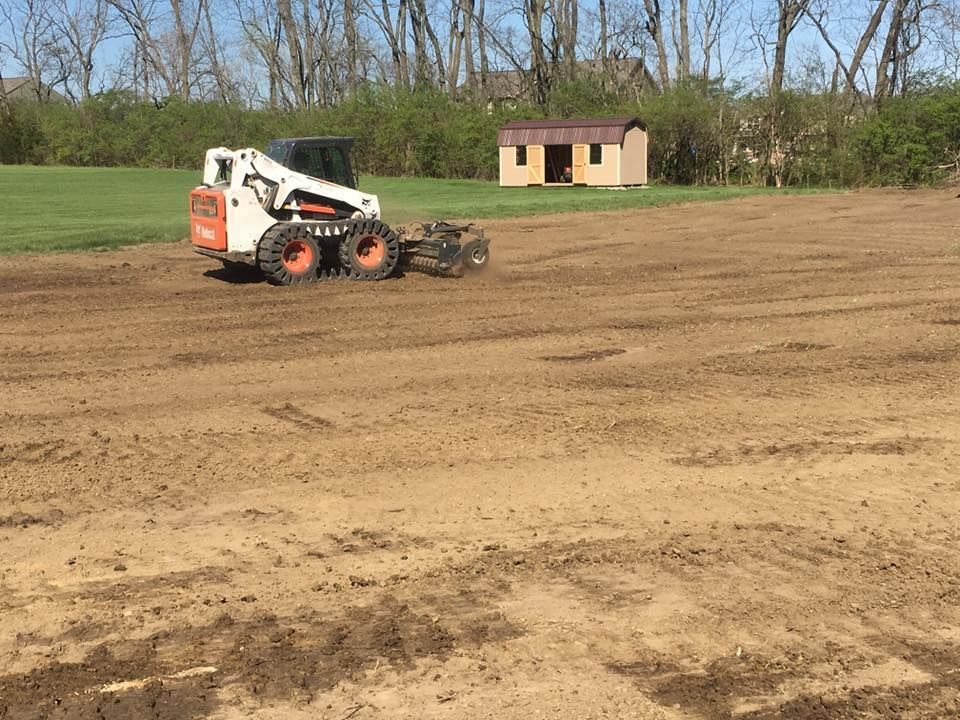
(295, 214)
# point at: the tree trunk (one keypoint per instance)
(850, 72)
(186, 37)
(350, 36)
(308, 62)
(865, 41)
(569, 39)
(534, 11)
(137, 20)
(4, 103)
(401, 33)
(654, 26)
(183, 49)
(790, 12)
(394, 32)
(455, 47)
(292, 36)
(788, 15)
(604, 41)
(482, 45)
(421, 61)
(709, 36)
(216, 68)
(470, 75)
(434, 42)
(683, 69)
(888, 56)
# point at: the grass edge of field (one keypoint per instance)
(605, 200)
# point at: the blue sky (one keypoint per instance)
(743, 59)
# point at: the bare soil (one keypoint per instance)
(696, 462)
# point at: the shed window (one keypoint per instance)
(596, 154)
(521, 155)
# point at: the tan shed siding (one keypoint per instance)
(634, 159)
(607, 173)
(510, 174)
(536, 164)
(620, 165)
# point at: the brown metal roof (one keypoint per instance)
(608, 131)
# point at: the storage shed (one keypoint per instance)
(600, 152)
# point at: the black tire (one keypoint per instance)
(288, 255)
(371, 251)
(475, 256)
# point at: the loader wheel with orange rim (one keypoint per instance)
(371, 251)
(288, 255)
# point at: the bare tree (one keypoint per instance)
(262, 33)
(142, 20)
(82, 26)
(352, 40)
(534, 11)
(422, 34)
(210, 40)
(629, 45)
(186, 28)
(654, 26)
(394, 31)
(470, 73)
(455, 39)
(903, 39)
(683, 57)
(482, 43)
(566, 29)
(604, 38)
(291, 34)
(789, 13)
(33, 41)
(851, 70)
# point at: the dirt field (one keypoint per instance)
(698, 462)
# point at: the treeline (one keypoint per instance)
(781, 92)
(697, 136)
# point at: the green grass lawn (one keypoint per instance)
(59, 208)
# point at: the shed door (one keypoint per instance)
(534, 164)
(580, 164)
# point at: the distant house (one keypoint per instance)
(599, 152)
(26, 88)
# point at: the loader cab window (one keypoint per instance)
(224, 171)
(324, 163)
(276, 152)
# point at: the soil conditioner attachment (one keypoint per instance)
(295, 214)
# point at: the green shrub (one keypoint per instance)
(909, 138)
(699, 133)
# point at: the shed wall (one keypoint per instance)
(510, 174)
(633, 159)
(608, 172)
